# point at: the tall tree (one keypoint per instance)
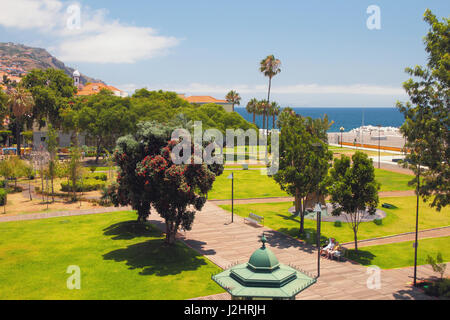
(141, 182)
(274, 112)
(427, 116)
(304, 161)
(270, 67)
(102, 117)
(261, 108)
(51, 90)
(52, 148)
(177, 190)
(21, 104)
(353, 189)
(252, 107)
(233, 97)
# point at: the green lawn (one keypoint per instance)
(247, 184)
(400, 220)
(118, 260)
(393, 181)
(252, 184)
(399, 255)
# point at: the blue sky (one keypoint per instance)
(329, 56)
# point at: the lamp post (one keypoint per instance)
(318, 210)
(231, 176)
(341, 130)
(417, 226)
(379, 126)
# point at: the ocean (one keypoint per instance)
(347, 117)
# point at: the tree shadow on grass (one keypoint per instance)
(154, 257)
(127, 230)
(363, 257)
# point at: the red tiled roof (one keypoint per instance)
(203, 99)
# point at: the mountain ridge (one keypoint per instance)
(17, 59)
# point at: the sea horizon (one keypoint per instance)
(347, 117)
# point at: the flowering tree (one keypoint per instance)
(178, 190)
(148, 177)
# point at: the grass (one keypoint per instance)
(253, 184)
(118, 258)
(393, 181)
(399, 220)
(399, 255)
(247, 184)
(350, 151)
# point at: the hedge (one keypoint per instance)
(88, 185)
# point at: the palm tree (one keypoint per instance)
(252, 107)
(262, 107)
(21, 103)
(274, 111)
(233, 97)
(270, 67)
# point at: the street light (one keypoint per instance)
(318, 210)
(379, 126)
(231, 176)
(342, 130)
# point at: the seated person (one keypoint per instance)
(336, 251)
(328, 247)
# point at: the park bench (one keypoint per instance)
(340, 254)
(254, 218)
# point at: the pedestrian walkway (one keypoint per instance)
(56, 214)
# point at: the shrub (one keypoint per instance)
(92, 168)
(439, 288)
(101, 176)
(338, 223)
(109, 195)
(3, 197)
(88, 185)
(2, 183)
(378, 221)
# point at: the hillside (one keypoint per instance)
(18, 59)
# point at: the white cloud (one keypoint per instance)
(97, 40)
(30, 14)
(115, 44)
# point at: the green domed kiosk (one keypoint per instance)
(263, 277)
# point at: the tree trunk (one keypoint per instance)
(18, 138)
(53, 192)
(273, 121)
(254, 114)
(302, 217)
(170, 233)
(356, 239)
(29, 188)
(297, 202)
(98, 152)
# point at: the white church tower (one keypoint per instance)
(76, 79)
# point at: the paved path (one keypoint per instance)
(409, 236)
(55, 214)
(226, 243)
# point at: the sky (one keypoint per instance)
(333, 53)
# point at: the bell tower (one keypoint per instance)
(76, 79)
